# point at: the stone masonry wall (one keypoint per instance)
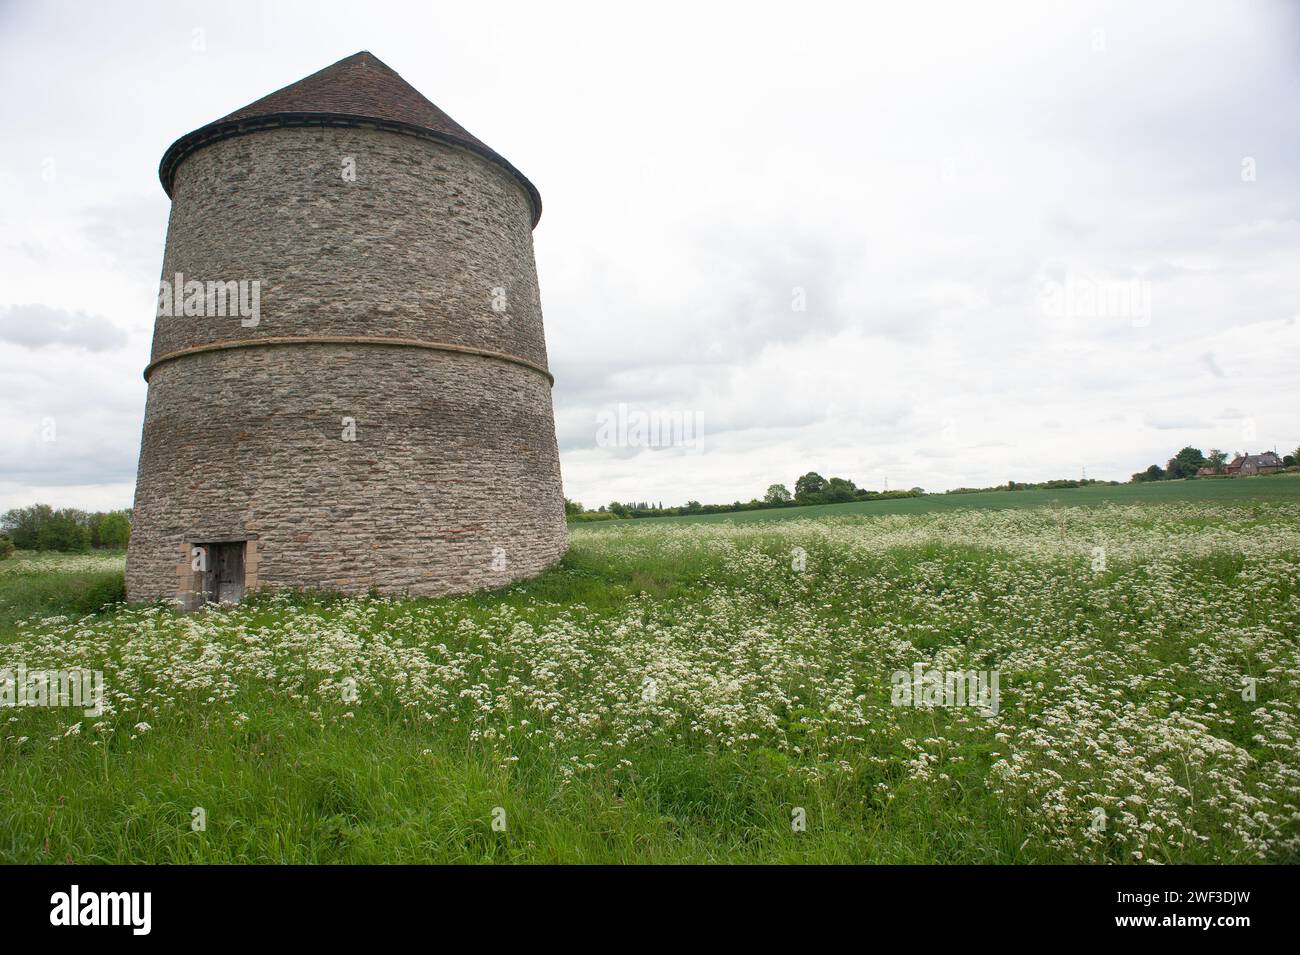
(452, 482)
(414, 248)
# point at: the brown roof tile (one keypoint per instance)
(357, 87)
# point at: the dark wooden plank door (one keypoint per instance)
(224, 579)
(229, 572)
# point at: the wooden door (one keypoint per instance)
(224, 581)
(230, 572)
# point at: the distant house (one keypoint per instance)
(1245, 464)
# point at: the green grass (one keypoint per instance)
(42, 584)
(1121, 690)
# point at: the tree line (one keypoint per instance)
(41, 527)
(811, 488)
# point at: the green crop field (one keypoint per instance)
(752, 690)
(1277, 487)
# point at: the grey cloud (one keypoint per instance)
(1177, 424)
(40, 326)
(74, 459)
(1062, 222)
(128, 232)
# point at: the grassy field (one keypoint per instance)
(703, 691)
(37, 584)
(1279, 487)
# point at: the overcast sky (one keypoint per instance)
(867, 242)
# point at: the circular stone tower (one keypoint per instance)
(348, 388)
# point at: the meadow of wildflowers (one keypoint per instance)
(706, 692)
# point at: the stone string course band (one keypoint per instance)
(347, 340)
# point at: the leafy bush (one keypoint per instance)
(23, 524)
(114, 531)
(6, 547)
(63, 532)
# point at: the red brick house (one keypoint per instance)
(1245, 464)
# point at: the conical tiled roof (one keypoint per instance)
(359, 88)
(358, 85)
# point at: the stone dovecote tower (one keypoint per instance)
(348, 388)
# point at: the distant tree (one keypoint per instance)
(778, 494)
(809, 488)
(572, 508)
(694, 507)
(1216, 460)
(64, 531)
(1289, 461)
(114, 531)
(23, 524)
(838, 490)
(1153, 473)
(1184, 464)
(617, 509)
